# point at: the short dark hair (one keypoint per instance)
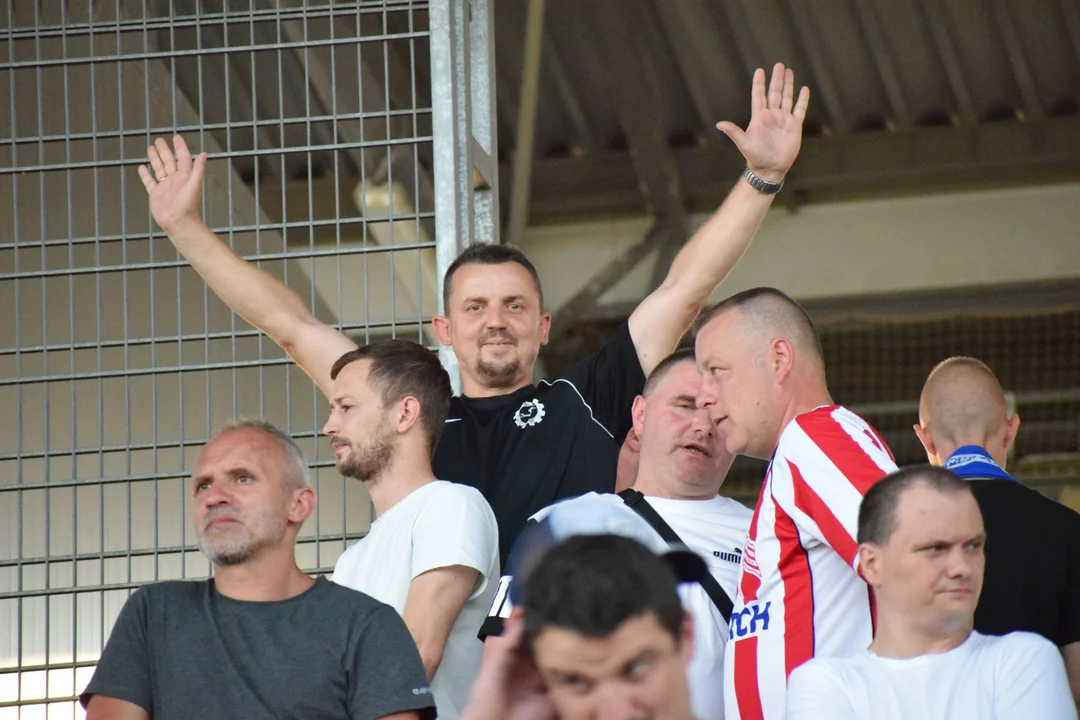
(485, 254)
(592, 584)
(401, 368)
(665, 365)
(765, 301)
(877, 513)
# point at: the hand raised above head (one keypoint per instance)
(173, 182)
(771, 141)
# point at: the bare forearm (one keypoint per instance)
(258, 297)
(715, 248)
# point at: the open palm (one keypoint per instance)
(173, 182)
(771, 141)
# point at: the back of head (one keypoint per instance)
(770, 313)
(878, 511)
(592, 584)
(961, 402)
(400, 369)
(485, 254)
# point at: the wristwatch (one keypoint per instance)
(760, 184)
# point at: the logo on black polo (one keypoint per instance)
(531, 412)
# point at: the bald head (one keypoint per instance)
(962, 403)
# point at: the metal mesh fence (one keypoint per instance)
(115, 360)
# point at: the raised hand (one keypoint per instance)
(508, 685)
(174, 183)
(771, 141)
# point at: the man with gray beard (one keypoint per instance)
(432, 552)
(261, 638)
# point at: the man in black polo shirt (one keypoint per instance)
(523, 446)
(1033, 543)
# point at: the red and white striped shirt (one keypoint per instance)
(800, 595)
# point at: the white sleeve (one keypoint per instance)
(815, 692)
(1031, 680)
(456, 527)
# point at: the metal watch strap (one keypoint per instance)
(760, 184)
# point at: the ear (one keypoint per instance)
(303, 504)
(686, 637)
(1012, 426)
(441, 325)
(782, 359)
(870, 564)
(927, 442)
(637, 415)
(408, 414)
(545, 327)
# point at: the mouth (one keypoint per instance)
(220, 520)
(698, 450)
(959, 592)
(338, 447)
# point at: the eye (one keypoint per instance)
(515, 306)
(474, 308)
(575, 684)
(205, 484)
(637, 669)
(974, 545)
(714, 371)
(345, 408)
(244, 479)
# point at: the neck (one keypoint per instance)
(652, 482)
(270, 576)
(804, 398)
(471, 387)
(903, 640)
(407, 472)
(946, 449)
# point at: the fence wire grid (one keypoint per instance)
(116, 362)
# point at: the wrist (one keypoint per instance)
(763, 185)
(768, 175)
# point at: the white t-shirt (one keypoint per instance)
(714, 529)
(1019, 676)
(437, 525)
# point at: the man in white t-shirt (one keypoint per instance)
(432, 551)
(682, 464)
(921, 542)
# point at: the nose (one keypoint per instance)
(960, 564)
(614, 702)
(331, 426)
(216, 494)
(494, 318)
(702, 422)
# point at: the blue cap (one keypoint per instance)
(594, 514)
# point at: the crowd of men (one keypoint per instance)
(560, 549)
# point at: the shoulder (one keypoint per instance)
(1015, 644)
(443, 493)
(342, 600)
(820, 671)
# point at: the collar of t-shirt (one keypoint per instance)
(964, 648)
(971, 462)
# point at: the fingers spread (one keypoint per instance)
(147, 179)
(183, 155)
(155, 161)
(789, 90)
(776, 86)
(167, 159)
(757, 92)
(801, 104)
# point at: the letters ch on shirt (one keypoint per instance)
(748, 622)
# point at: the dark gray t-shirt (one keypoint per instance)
(184, 650)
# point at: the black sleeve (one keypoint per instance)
(386, 675)
(501, 604)
(1070, 623)
(609, 380)
(123, 672)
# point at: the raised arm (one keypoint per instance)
(770, 144)
(174, 184)
(435, 600)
